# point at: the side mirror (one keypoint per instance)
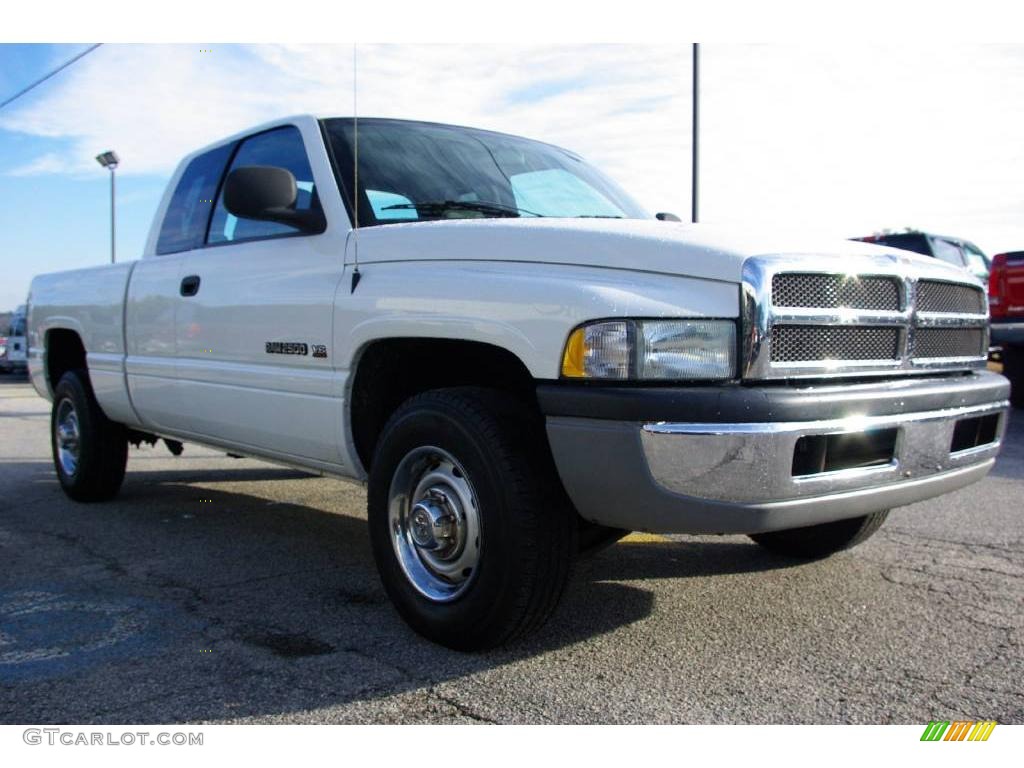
(268, 193)
(667, 217)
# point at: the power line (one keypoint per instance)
(46, 77)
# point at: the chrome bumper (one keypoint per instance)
(754, 462)
(739, 477)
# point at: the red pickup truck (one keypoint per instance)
(1006, 305)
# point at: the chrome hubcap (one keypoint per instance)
(67, 437)
(434, 523)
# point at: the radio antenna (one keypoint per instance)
(355, 171)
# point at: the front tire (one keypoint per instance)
(472, 533)
(817, 541)
(89, 450)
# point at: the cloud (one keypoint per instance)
(47, 163)
(852, 138)
(155, 103)
(838, 138)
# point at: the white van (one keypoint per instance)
(13, 353)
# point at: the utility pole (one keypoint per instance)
(109, 160)
(695, 165)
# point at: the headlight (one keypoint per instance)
(651, 349)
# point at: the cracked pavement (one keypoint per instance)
(229, 590)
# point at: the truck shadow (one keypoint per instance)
(1010, 462)
(248, 607)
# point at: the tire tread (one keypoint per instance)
(818, 541)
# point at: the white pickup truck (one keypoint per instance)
(520, 362)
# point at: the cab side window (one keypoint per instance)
(184, 224)
(948, 252)
(281, 147)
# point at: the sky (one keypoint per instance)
(830, 139)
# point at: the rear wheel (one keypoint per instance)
(472, 533)
(89, 450)
(1013, 369)
(817, 541)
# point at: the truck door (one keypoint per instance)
(254, 328)
(154, 294)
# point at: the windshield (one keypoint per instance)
(422, 171)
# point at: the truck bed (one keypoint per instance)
(90, 302)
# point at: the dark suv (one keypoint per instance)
(955, 250)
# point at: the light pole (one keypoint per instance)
(109, 160)
(695, 132)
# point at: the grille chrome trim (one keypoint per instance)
(760, 316)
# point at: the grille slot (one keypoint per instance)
(949, 342)
(818, 343)
(809, 290)
(937, 296)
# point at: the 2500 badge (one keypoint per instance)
(287, 348)
(295, 348)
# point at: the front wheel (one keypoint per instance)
(89, 450)
(472, 533)
(817, 541)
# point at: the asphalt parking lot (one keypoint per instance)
(220, 589)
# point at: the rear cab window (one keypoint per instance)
(909, 241)
(184, 224)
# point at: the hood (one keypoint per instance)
(697, 250)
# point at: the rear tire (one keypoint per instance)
(818, 541)
(1013, 369)
(496, 558)
(89, 450)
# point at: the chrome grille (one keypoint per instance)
(799, 343)
(872, 314)
(835, 291)
(936, 296)
(949, 342)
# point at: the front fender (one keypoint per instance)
(527, 309)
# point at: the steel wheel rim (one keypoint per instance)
(67, 437)
(434, 523)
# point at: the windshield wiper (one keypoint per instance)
(599, 216)
(440, 206)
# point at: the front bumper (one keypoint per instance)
(740, 465)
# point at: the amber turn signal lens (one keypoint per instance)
(572, 360)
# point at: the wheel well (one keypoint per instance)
(64, 352)
(391, 371)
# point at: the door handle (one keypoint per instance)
(190, 285)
